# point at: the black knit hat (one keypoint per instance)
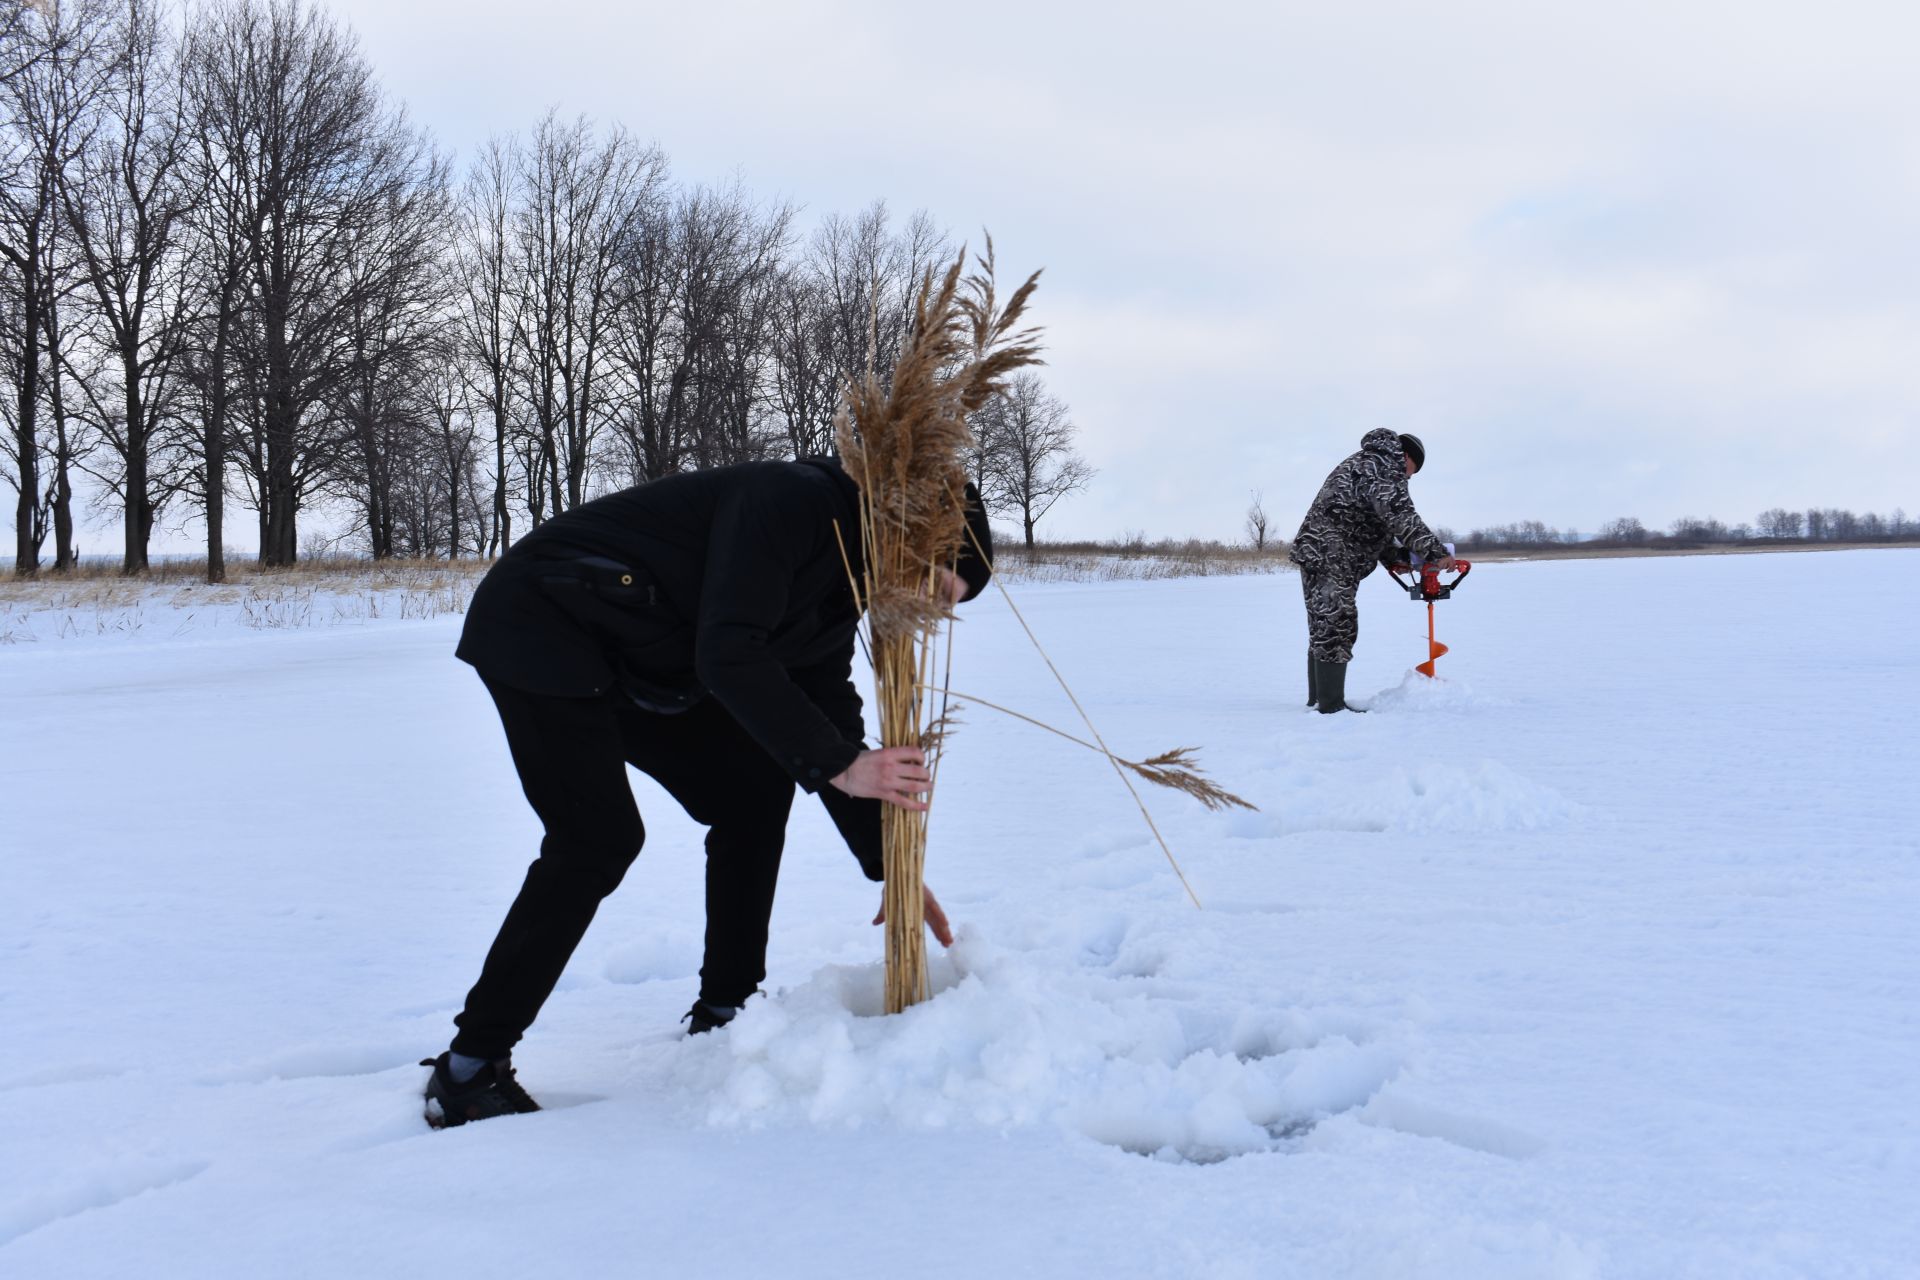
(974, 564)
(1411, 446)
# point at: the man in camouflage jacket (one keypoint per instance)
(1361, 517)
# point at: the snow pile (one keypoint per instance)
(1009, 1040)
(1426, 694)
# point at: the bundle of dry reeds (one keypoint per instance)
(905, 445)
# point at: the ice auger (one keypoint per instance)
(1422, 582)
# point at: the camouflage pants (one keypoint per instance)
(1333, 614)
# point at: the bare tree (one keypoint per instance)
(870, 277)
(308, 158)
(1257, 523)
(125, 208)
(456, 460)
(1627, 529)
(1695, 529)
(392, 331)
(49, 76)
(220, 228)
(69, 442)
(435, 501)
(844, 307)
(699, 301)
(655, 348)
(731, 252)
(801, 368)
(1031, 459)
(488, 278)
(582, 207)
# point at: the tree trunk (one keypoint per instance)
(453, 503)
(502, 519)
(65, 557)
(214, 458)
(26, 547)
(62, 492)
(138, 522)
(28, 533)
(279, 547)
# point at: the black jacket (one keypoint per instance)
(729, 583)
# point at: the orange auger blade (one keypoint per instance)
(1434, 647)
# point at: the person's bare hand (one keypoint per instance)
(930, 906)
(952, 585)
(897, 775)
(1444, 564)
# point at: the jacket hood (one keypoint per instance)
(1381, 440)
(849, 506)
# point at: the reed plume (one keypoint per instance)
(905, 445)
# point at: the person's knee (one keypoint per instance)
(594, 855)
(752, 798)
(757, 836)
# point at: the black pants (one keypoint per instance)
(572, 755)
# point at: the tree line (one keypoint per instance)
(1777, 524)
(233, 268)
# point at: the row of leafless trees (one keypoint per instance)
(231, 266)
(1778, 524)
(1821, 525)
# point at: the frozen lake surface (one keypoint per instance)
(1600, 957)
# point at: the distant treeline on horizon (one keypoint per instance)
(1777, 524)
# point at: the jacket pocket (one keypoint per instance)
(619, 605)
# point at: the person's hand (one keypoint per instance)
(950, 585)
(1444, 564)
(930, 906)
(897, 775)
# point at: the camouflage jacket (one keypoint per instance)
(1362, 510)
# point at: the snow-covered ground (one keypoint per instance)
(1599, 958)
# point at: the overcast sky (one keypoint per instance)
(1649, 259)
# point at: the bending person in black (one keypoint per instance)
(700, 629)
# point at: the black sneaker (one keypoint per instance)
(491, 1092)
(704, 1017)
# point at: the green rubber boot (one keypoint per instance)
(1330, 683)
